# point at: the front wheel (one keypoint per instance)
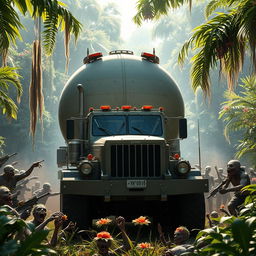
(191, 212)
(78, 209)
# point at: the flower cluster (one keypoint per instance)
(103, 221)
(104, 235)
(141, 221)
(144, 246)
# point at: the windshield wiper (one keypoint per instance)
(102, 128)
(137, 129)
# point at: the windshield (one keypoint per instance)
(108, 125)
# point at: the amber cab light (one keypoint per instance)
(90, 157)
(105, 108)
(146, 107)
(176, 156)
(126, 107)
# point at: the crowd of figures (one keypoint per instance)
(14, 184)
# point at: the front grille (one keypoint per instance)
(135, 161)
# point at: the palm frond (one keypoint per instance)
(8, 75)
(10, 25)
(239, 114)
(50, 28)
(154, 9)
(215, 4)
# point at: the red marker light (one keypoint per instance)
(91, 109)
(147, 107)
(176, 156)
(126, 107)
(105, 108)
(150, 57)
(161, 109)
(147, 55)
(90, 157)
(92, 57)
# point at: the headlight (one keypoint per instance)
(85, 168)
(183, 168)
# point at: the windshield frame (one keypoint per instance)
(126, 116)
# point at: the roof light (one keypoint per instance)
(161, 109)
(150, 57)
(91, 109)
(90, 157)
(135, 108)
(92, 57)
(126, 107)
(148, 108)
(105, 108)
(117, 108)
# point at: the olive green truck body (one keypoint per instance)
(122, 118)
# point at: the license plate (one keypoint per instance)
(136, 183)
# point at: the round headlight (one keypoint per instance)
(183, 167)
(85, 168)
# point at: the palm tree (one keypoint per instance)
(54, 16)
(239, 113)
(222, 40)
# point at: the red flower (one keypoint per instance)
(141, 221)
(103, 221)
(103, 235)
(144, 246)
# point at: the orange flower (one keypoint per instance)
(179, 229)
(64, 217)
(103, 235)
(103, 221)
(144, 246)
(222, 206)
(141, 221)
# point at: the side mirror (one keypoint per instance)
(70, 129)
(183, 128)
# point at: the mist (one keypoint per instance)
(104, 31)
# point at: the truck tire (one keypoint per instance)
(77, 208)
(191, 212)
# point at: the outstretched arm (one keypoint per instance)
(51, 218)
(57, 225)
(120, 221)
(29, 171)
(161, 234)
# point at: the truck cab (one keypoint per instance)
(125, 159)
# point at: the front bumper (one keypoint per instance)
(113, 188)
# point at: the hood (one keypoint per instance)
(134, 139)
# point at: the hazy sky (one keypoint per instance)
(127, 9)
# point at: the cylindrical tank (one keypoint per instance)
(122, 79)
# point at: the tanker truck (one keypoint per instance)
(122, 118)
